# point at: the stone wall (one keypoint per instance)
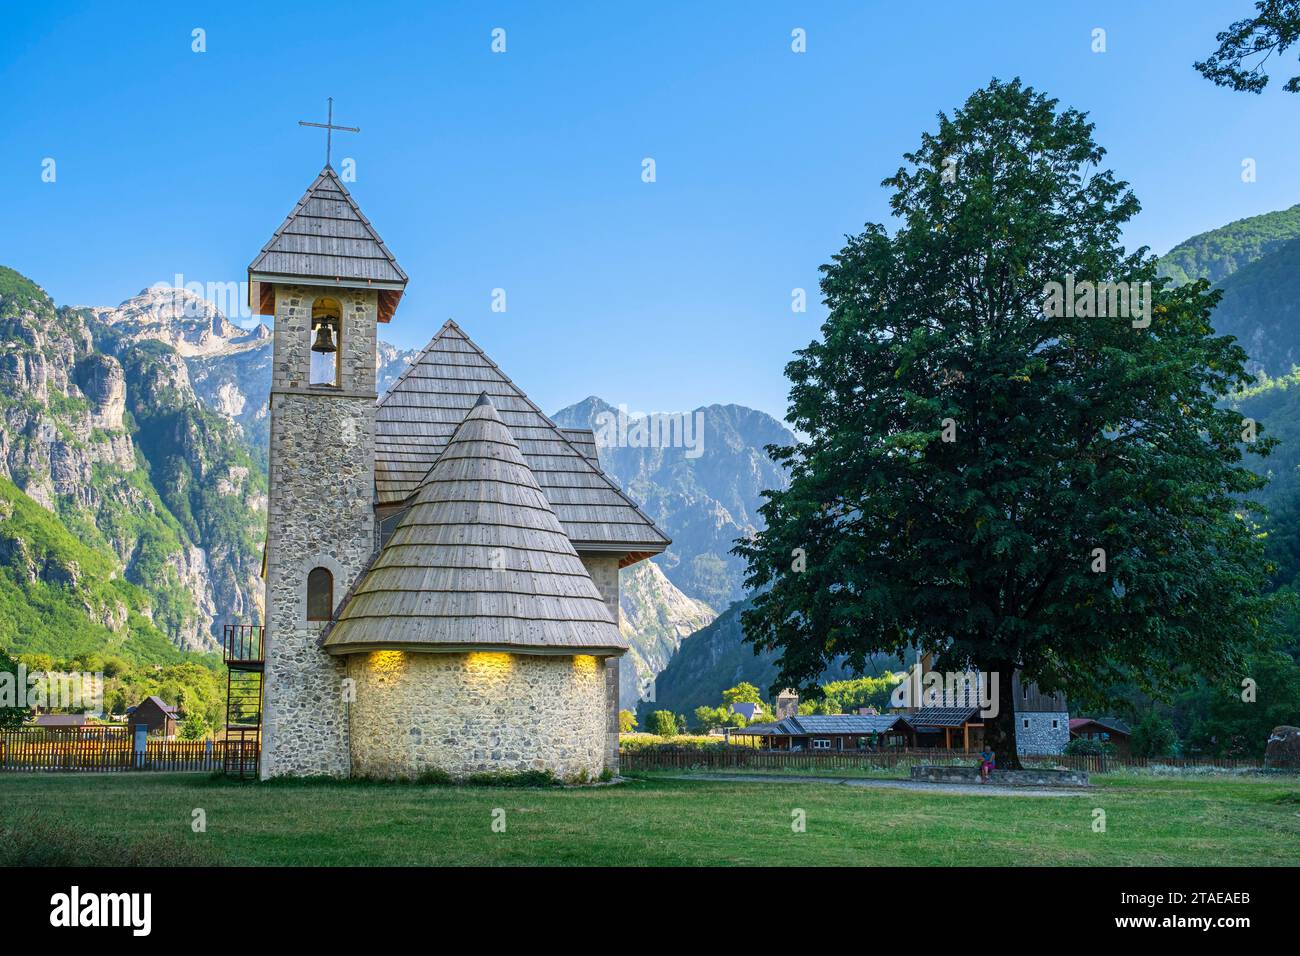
(481, 712)
(1040, 737)
(1029, 777)
(320, 513)
(603, 569)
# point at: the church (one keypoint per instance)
(442, 564)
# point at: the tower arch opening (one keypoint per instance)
(326, 337)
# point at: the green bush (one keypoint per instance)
(664, 723)
(635, 743)
(525, 778)
(1084, 747)
(1154, 737)
(434, 776)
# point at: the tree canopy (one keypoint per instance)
(1002, 482)
(1248, 44)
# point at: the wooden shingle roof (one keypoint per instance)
(415, 421)
(479, 561)
(327, 240)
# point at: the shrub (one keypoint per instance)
(640, 742)
(524, 778)
(663, 723)
(1083, 746)
(1154, 737)
(434, 776)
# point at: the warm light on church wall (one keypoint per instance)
(386, 663)
(481, 711)
(487, 662)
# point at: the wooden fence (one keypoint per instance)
(107, 750)
(741, 758)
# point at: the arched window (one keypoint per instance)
(320, 595)
(326, 342)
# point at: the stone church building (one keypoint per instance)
(442, 564)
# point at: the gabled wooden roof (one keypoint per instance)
(415, 420)
(478, 562)
(326, 240)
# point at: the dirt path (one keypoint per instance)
(960, 789)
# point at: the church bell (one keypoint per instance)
(324, 338)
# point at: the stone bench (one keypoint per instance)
(1030, 777)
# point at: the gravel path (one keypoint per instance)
(963, 789)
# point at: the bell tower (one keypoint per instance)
(328, 280)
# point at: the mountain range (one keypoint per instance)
(133, 473)
(152, 487)
(148, 422)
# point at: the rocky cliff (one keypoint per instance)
(656, 618)
(103, 429)
(703, 497)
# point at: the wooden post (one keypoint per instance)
(965, 737)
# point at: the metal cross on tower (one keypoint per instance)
(329, 128)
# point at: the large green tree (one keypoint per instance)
(1005, 485)
(1248, 44)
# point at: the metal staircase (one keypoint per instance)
(243, 652)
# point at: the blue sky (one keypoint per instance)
(522, 170)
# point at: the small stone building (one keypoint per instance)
(1042, 720)
(442, 564)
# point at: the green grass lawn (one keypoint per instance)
(650, 820)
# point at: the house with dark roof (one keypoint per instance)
(60, 721)
(832, 732)
(155, 714)
(1109, 730)
(441, 564)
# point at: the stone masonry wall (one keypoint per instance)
(1040, 737)
(480, 712)
(603, 569)
(320, 513)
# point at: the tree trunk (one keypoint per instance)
(1000, 731)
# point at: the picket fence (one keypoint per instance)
(105, 750)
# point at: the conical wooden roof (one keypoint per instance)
(327, 240)
(478, 562)
(416, 418)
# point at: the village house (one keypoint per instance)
(442, 566)
(159, 717)
(1042, 725)
(1110, 730)
(832, 732)
(60, 721)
